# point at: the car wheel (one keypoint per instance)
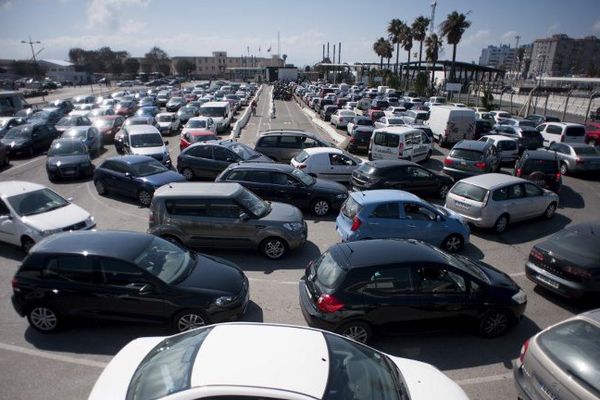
(501, 224)
(144, 197)
(173, 240)
(320, 207)
(186, 320)
(26, 244)
(273, 248)
(357, 330)
(494, 323)
(100, 187)
(550, 210)
(453, 243)
(443, 191)
(43, 319)
(187, 173)
(564, 168)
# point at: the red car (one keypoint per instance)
(109, 125)
(126, 108)
(592, 133)
(190, 97)
(194, 136)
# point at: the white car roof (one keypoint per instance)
(198, 119)
(162, 114)
(11, 188)
(492, 181)
(498, 138)
(215, 104)
(320, 150)
(398, 129)
(140, 129)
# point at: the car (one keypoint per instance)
(65, 105)
(528, 138)
(147, 111)
(280, 182)
(108, 126)
(282, 145)
(143, 140)
(327, 111)
(562, 360)
(499, 115)
(415, 116)
(139, 121)
(326, 162)
(28, 139)
(90, 136)
(402, 175)
(201, 123)
(576, 157)
(506, 147)
(125, 276)
(100, 112)
(517, 122)
(225, 215)
(134, 176)
(540, 167)
(495, 200)
(401, 142)
(567, 262)
(69, 121)
(386, 122)
(191, 136)
(209, 159)
(174, 103)
(540, 119)
(341, 117)
(48, 116)
(562, 132)
(6, 123)
(390, 213)
(30, 212)
(359, 288)
(360, 123)
(592, 133)
(471, 157)
(186, 112)
(359, 141)
(126, 108)
(169, 123)
(68, 158)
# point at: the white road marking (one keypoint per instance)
(516, 274)
(52, 356)
(484, 379)
(273, 281)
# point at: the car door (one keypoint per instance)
(222, 157)
(517, 202)
(422, 223)
(9, 230)
(287, 189)
(259, 182)
(418, 180)
(534, 202)
(340, 167)
(384, 221)
(419, 149)
(190, 217)
(115, 177)
(228, 230)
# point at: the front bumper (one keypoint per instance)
(296, 239)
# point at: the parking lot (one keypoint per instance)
(75, 357)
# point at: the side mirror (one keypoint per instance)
(244, 216)
(5, 217)
(166, 142)
(128, 174)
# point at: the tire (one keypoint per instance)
(189, 319)
(273, 248)
(44, 319)
(443, 191)
(550, 211)
(494, 323)
(564, 168)
(100, 187)
(188, 174)
(173, 240)
(144, 197)
(357, 330)
(26, 244)
(501, 223)
(320, 207)
(453, 243)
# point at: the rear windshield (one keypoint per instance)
(365, 122)
(593, 151)
(574, 347)
(329, 273)
(469, 155)
(350, 208)
(301, 157)
(545, 166)
(530, 134)
(469, 191)
(576, 131)
(363, 135)
(368, 169)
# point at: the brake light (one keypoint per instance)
(447, 161)
(535, 253)
(557, 176)
(301, 166)
(14, 283)
(480, 165)
(579, 272)
(523, 351)
(356, 222)
(400, 149)
(562, 138)
(328, 303)
(518, 172)
(579, 160)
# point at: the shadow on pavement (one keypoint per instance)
(575, 306)
(525, 231)
(570, 199)
(11, 252)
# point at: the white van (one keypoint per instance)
(219, 111)
(451, 124)
(437, 100)
(382, 89)
(398, 142)
(567, 132)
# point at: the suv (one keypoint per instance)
(471, 157)
(225, 215)
(540, 167)
(562, 132)
(283, 145)
(144, 140)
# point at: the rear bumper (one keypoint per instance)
(555, 283)
(521, 384)
(312, 316)
(18, 305)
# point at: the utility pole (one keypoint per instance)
(431, 23)
(33, 54)
(517, 38)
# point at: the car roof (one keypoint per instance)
(202, 189)
(118, 244)
(11, 188)
(200, 132)
(383, 164)
(215, 104)
(472, 145)
(320, 150)
(492, 181)
(162, 114)
(577, 145)
(79, 128)
(498, 138)
(383, 195)
(593, 315)
(140, 129)
(398, 129)
(564, 124)
(540, 154)
(262, 166)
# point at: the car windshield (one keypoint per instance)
(167, 368)
(253, 203)
(395, 121)
(526, 122)
(18, 133)
(151, 167)
(587, 151)
(364, 122)
(245, 152)
(198, 123)
(166, 261)
(573, 346)
(368, 169)
(67, 148)
(76, 133)
(176, 100)
(202, 138)
(350, 208)
(360, 373)
(165, 118)
(212, 111)
(67, 121)
(36, 202)
(580, 241)
(304, 177)
(326, 272)
(146, 140)
(469, 191)
(302, 156)
(469, 155)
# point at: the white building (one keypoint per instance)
(62, 71)
(502, 56)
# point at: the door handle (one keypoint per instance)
(260, 226)
(411, 226)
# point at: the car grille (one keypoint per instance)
(69, 171)
(75, 227)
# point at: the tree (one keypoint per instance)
(185, 67)
(419, 31)
(433, 46)
(157, 58)
(77, 55)
(164, 68)
(395, 29)
(421, 83)
(379, 47)
(284, 57)
(407, 39)
(388, 52)
(452, 29)
(131, 66)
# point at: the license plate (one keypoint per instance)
(68, 172)
(462, 205)
(541, 183)
(548, 281)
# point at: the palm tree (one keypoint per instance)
(433, 46)
(453, 28)
(407, 39)
(395, 29)
(419, 32)
(388, 52)
(379, 49)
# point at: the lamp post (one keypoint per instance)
(35, 65)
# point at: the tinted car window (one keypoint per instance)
(70, 269)
(386, 281)
(532, 190)
(469, 191)
(258, 176)
(387, 210)
(329, 273)
(290, 142)
(119, 273)
(268, 141)
(577, 131)
(553, 129)
(224, 209)
(469, 155)
(200, 151)
(439, 280)
(191, 207)
(500, 194)
(545, 166)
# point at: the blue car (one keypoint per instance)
(133, 176)
(380, 214)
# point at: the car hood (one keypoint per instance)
(424, 381)
(498, 279)
(326, 185)
(59, 218)
(148, 151)
(15, 142)
(214, 275)
(163, 178)
(281, 212)
(68, 160)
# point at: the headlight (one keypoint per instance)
(49, 232)
(293, 226)
(89, 221)
(341, 196)
(223, 301)
(520, 297)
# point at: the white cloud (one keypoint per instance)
(106, 14)
(596, 26)
(480, 37)
(509, 36)
(6, 5)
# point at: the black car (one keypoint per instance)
(68, 158)
(482, 127)
(326, 112)
(402, 175)
(207, 160)
(125, 276)
(284, 183)
(540, 167)
(133, 176)
(70, 121)
(28, 139)
(186, 112)
(359, 141)
(174, 104)
(568, 263)
(357, 287)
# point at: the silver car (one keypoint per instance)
(576, 157)
(495, 200)
(283, 145)
(562, 361)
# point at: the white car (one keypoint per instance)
(500, 115)
(203, 123)
(265, 361)
(341, 117)
(80, 113)
(387, 121)
(168, 123)
(326, 162)
(29, 212)
(394, 111)
(507, 147)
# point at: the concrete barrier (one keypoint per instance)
(236, 130)
(340, 140)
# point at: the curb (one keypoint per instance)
(241, 123)
(326, 126)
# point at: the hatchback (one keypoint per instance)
(125, 276)
(68, 158)
(576, 157)
(471, 157)
(359, 287)
(540, 167)
(327, 162)
(507, 148)
(283, 145)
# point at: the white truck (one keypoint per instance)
(451, 124)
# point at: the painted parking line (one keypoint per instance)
(51, 356)
(273, 281)
(484, 379)
(516, 274)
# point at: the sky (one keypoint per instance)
(199, 27)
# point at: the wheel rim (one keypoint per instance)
(189, 321)
(274, 248)
(187, 174)
(145, 197)
(501, 224)
(495, 324)
(321, 207)
(43, 318)
(356, 332)
(453, 244)
(550, 210)
(563, 169)
(100, 187)
(444, 191)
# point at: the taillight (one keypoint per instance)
(562, 138)
(356, 222)
(518, 172)
(328, 303)
(557, 176)
(523, 351)
(447, 161)
(301, 166)
(400, 149)
(535, 253)
(480, 165)
(14, 283)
